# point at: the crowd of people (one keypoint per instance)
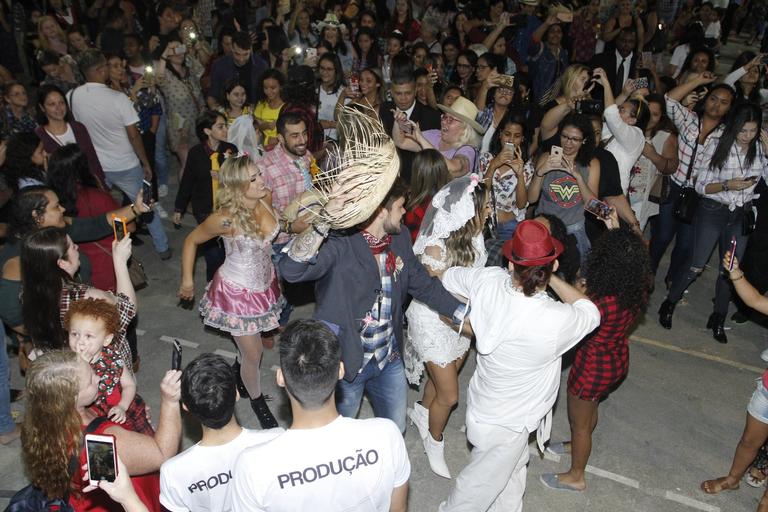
(439, 172)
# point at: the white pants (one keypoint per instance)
(494, 479)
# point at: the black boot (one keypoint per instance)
(716, 323)
(263, 414)
(240, 386)
(665, 314)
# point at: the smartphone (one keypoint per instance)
(647, 58)
(598, 208)
(641, 83)
(507, 81)
(565, 17)
(354, 84)
(310, 53)
(176, 355)
(101, 457)
(732, 261)
(180, 50)
(556, 151)
(119, 227)
(428, 67)
(146, 187)
(510, 146)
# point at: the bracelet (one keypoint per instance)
(134, 211)
(740, 277)
(725, 186)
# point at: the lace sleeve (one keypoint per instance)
(434, 261)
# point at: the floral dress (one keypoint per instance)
(184, 99)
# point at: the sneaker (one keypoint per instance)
(161, 211)
(162, 190)
(166, 254)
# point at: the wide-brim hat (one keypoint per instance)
(530, 2)
(532, 245)
(465, 110)
(330, 20)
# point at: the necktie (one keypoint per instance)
(619, 78)
(214, 176)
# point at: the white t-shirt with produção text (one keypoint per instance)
(200, 478)
(348, 464)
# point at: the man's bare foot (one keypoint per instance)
(10, 436)
(725, 483)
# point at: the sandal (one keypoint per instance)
(753, 480)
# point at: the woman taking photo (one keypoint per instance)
(547, 58)
(572, 87)
(370, 96)
(178, 75)
(564, 185)
(451, 235)
(724, 213)
(50, 261)
(58, 128)
(617, 282)
(244, 297)
(506, 167)
(458, 138)
(489, 67)
(61, 388)
(745, 77)
(658, 161)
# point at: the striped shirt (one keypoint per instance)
(735, 167)
(688, 127)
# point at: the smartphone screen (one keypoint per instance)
(119, 228)
(146, 187)
(732, 261)
(100, 452)
(598, 208)
(176, 356)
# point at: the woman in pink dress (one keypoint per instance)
(243, 298)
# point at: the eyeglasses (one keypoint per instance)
(450, 119)
(464, 66)
(575, 140)
(482, 66)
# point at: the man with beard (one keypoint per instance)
(362, 278)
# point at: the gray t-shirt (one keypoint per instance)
(561, 196)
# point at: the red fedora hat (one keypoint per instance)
(532, 245)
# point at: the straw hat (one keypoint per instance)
(330, 20)
(465, 110)
(530, 2)
(532, 245)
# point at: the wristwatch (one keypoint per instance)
(725, 186)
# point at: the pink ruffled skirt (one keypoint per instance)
(239, 311)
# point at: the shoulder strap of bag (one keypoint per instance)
(693, 157)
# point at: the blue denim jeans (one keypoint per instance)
(582, 242)
(161, 148)
(387, 390)
(129, 181)
(506, 230)
(664, 227)
(713, 224)
(6, 420)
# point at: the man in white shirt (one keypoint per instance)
(521, 335)
(111, 121)
(324, 461)
(199, 479)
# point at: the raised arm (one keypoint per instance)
(684, 89)
(552, 118)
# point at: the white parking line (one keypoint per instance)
(685, 500)
(225, 353)
(630, 482)
(183, 343)
(140, 332)
(696, 353)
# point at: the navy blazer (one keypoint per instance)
(347, 282)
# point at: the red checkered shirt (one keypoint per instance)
(283, 177)
(602, 359)
(687, 124)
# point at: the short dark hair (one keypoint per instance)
(309, 359)
(286, 118)
(242, 39)
(205, 120)
(208, 389)
(398, 189)
(403, 77)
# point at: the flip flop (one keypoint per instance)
(551, 481)
(557, 448)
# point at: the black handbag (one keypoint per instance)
(688, 200)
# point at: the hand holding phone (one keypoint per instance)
(146, 188)
(176, 355)
(598, 208)
(101, 458)
(732, 253)
(119, 227)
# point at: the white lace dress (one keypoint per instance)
(429, 338)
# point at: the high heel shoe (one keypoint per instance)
(435, 451)
(263, 414)
(419, 416)
(665, 314)
(239, 380)
(716, 322)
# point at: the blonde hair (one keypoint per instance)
(42, 38)
(460, 250)
(52, 430)
(235, 179)
(564, 84)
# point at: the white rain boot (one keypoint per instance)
(435, 454)
(419, 416)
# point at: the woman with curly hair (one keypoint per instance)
(243, 298)
(451, 235)
(617, 281)
(61, 388)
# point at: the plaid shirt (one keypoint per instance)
(71, 292)
(377, 334)
(283, 174)
(602, 359)
(687, 124)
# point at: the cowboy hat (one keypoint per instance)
(532, 245)
(330, 20)
(464, 110)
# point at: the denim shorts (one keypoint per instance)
(758, 405)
